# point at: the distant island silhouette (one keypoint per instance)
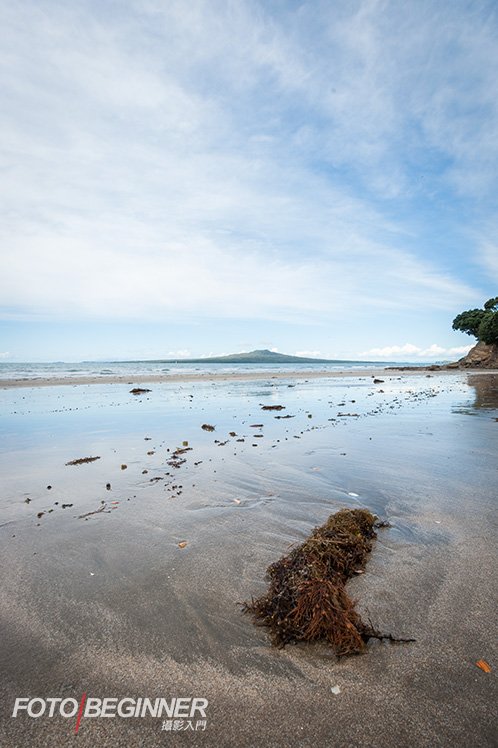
(258, 357)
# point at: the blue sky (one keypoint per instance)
(210, 177)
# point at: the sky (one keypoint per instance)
(206, 177)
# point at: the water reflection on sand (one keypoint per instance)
(114, 599)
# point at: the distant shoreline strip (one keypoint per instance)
(231, 377)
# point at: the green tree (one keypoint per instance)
(488, 329)
(481, 323)
(492, 304)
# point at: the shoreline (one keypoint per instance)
(232, 376)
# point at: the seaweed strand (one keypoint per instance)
(307, 600)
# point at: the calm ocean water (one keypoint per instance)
(132, 368)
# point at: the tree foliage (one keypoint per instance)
(481, 323)
(492, 304)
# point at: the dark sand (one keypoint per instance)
(111, 606)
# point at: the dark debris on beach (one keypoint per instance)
(82, 460)
(307, 601)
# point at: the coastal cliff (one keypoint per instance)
(482, 356)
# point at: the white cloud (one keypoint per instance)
(57, 273)
(414, 351)
(160, 164)
(4, 355)
(459, 349)
(392, 350)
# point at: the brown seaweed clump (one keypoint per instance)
(307, 599)
(82, 460)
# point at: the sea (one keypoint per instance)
(61, 369)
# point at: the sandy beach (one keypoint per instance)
(243, 376)
(124, 577)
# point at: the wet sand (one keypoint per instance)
(109, 604)
(243, 376)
